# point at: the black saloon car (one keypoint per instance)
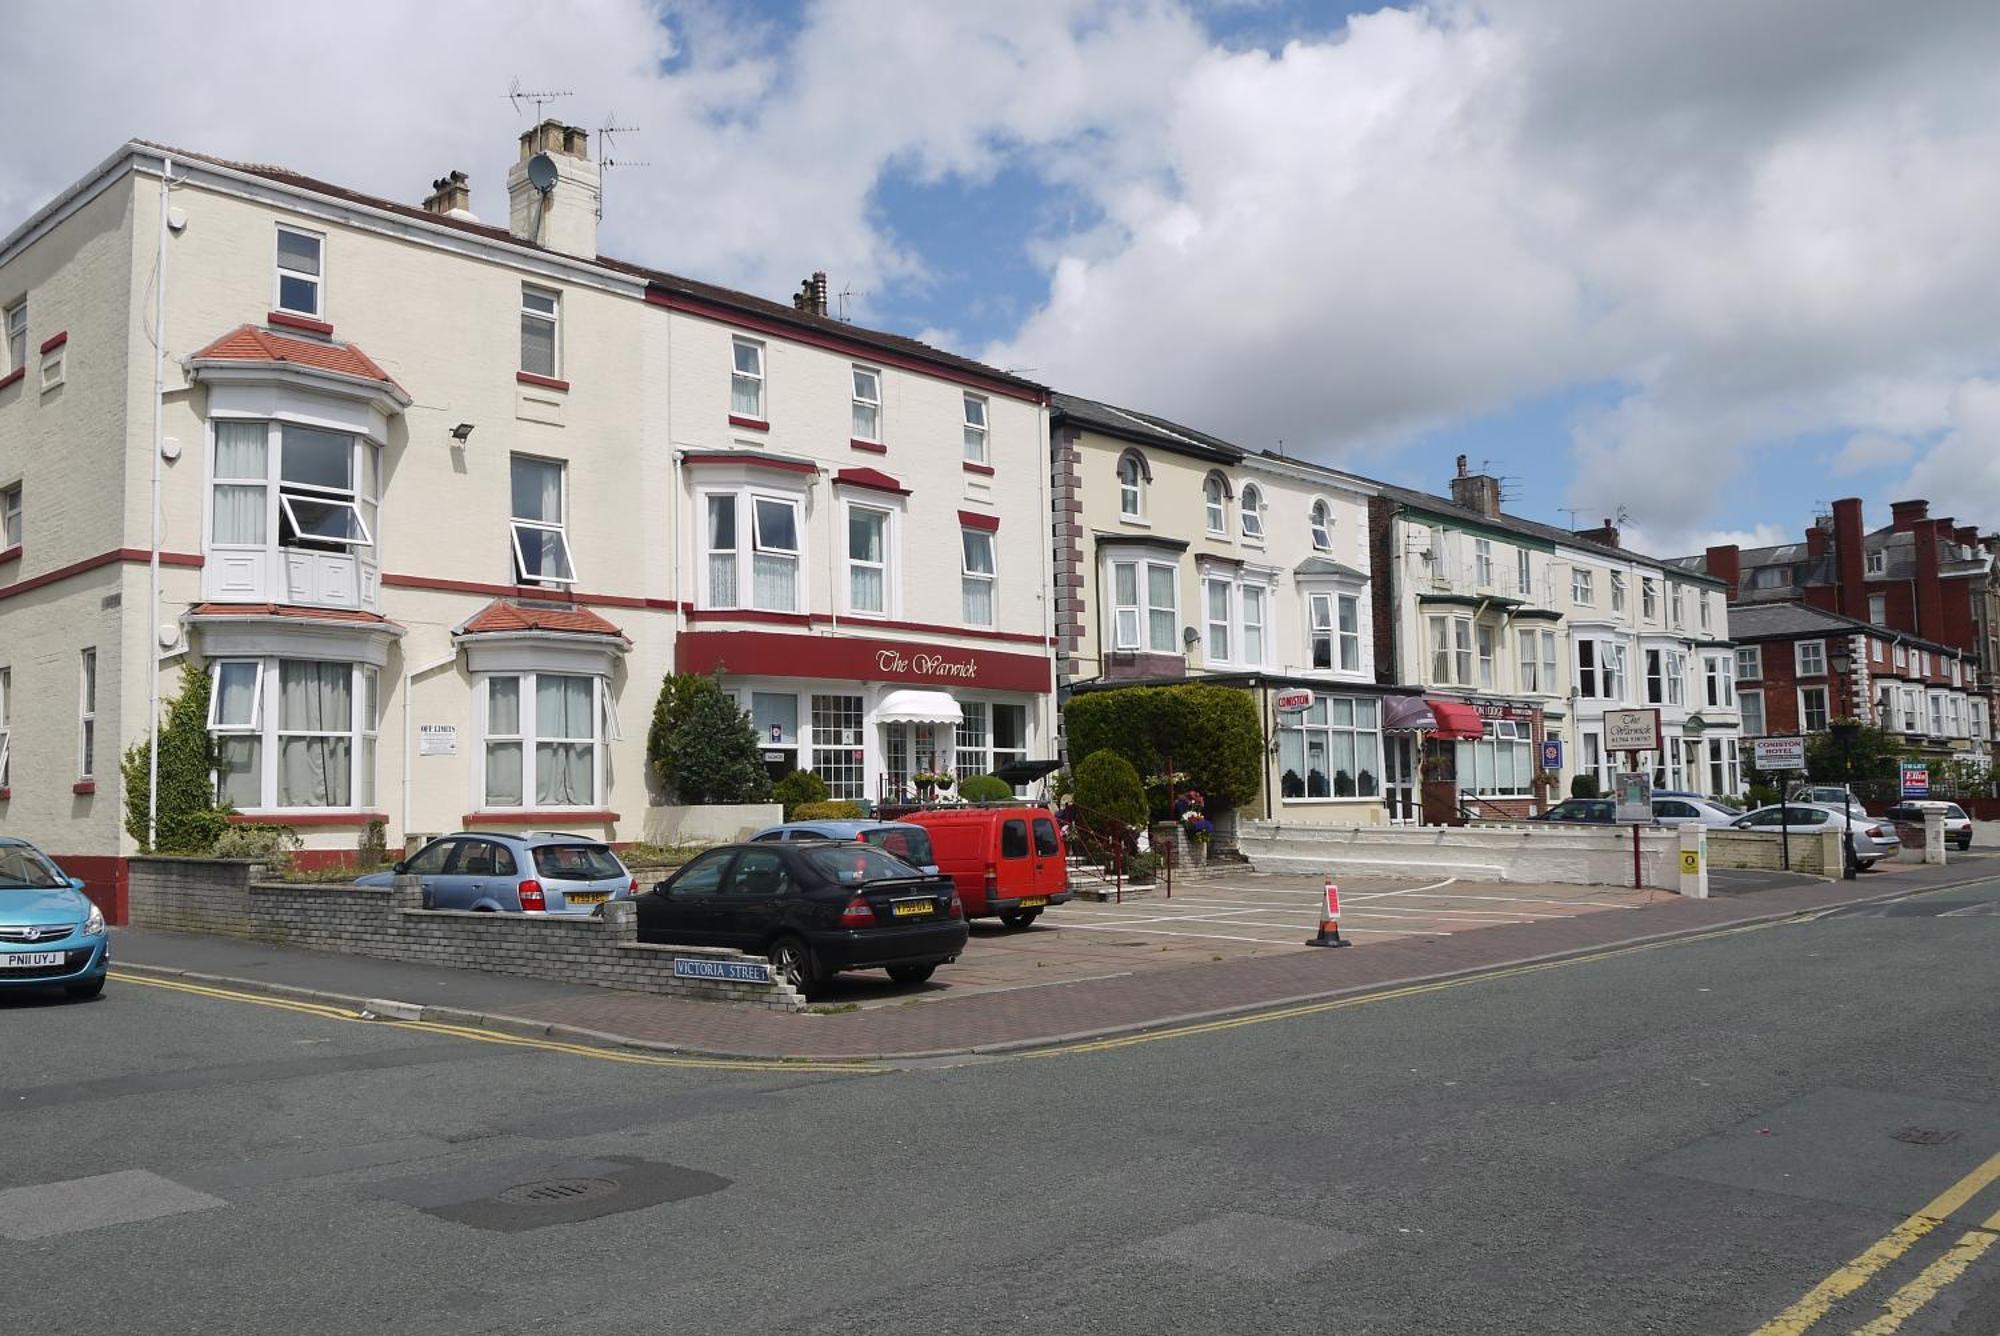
(814, 909)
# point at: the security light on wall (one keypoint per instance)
(462, 432)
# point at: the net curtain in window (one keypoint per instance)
(565, 724)
(315, 742)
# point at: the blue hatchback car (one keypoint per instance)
(51, 935)
(540, 873)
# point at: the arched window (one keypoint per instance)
(1253, 512)
(1131, 484)
(1212, 496)
(1322, 526)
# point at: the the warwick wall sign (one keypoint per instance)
(924, 663)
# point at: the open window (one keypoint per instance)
(319, 503)
(1322, 526)
(1253, 512)
(540, 534)
(774, 565)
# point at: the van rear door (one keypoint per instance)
(1014, 867)
(1051, 868)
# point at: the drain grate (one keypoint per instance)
(1926, 1136)
(557, 1191)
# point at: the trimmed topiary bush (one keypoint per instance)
(1108, 789)
(985, 789)
(1211, 733)
(701, 748)
(837, 810)
(1584, 786)
(797, 789)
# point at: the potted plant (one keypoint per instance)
(1197, 828)
(931, 782)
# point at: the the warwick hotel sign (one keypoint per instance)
(858, 659)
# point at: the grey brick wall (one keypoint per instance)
(205, 895)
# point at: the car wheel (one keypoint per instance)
(1864, 863)
(793, 960)
(1020, 918)
(911, 973)
(83, 992)
(1965, 844)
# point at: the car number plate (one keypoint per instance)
(586, 897)
(1035, 902)
(30, 960)
(913, 908)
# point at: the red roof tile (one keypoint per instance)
(288, 611)
(248, 343)
(502, 615)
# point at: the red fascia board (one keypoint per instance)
(751, 615)
(546, 382)
(972, 519)
(133, 555)
(54, 341)
(307, 818)
(872, 623)
(748, 423)
(751, 461)
(293, 320)
(867, 352)
(971, 467)
(531, 817)
(872, 447)
(871, 479)
(859, 659)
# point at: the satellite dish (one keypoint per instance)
(542, 172)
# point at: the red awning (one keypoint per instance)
(1456, 719)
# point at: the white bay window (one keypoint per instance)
(771, 528)
(1145, 609)
(543, 739)
(294, 734)
(292, 514)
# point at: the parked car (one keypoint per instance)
(903, 839)
(1008, 863)
(537, 873)
(1957, 825)
(1674, 809)
(1874, 839)
(51, 935)
(814, 907)
(1830, 795)
(1595, 811)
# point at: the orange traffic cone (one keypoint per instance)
(1329, 919)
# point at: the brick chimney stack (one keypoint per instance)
(811, 296)
(1850, 559)
(1816, 539)
(451, 196)
(1725, 563)
(1605, 534)
(1477, 492)
(1907, 515)
(1930, 590)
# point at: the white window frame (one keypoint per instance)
(1524, 571)
(16, 317)
(710, 551)
(1527, 665)
(1257, 626)
(1132, 491)
(1482, 562)
(969, 578)
(602, 716)
(549, 315)
(267, 726)
(1582, 590)
(1451, 649)
(86, 714)
(280, 493)
(885, 568)
(796, 555)
(1913, 712)
(11, 528)
(1748, 704)
(866, 388)
(518, 526)
(1749, 663)
(1876, 563)
(978, 429)
(1320, 629)
(281, 272)
(1143, 610)
(1617, 591)
(1701, 602)
(1250, 507)
(1649, 597)
(1825, 710)
(1216, 647)
(1484, 637)
(747, 382)
(1347, 640)
(1215, 505)
(1809, 658)
(1320, 520)
(1518, 741)
(1719, 680)
(1677, 594)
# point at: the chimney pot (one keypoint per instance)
(450, 194)
(1461, 466)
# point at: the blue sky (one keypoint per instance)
(1707, 263)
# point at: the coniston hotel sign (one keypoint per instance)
(856, 659)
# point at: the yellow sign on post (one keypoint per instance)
(1691, 862)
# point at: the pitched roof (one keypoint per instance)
(1143, 429)
(1778, 621)
(292, 612)
(1327, 566)
(249, 343)
(506, 615)
(782, 312)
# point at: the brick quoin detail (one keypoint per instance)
(1067, 545)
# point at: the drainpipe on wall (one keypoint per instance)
(409, 744)
(153, 554)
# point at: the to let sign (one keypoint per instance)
(1916, 780)
(1631, 730)
(1778, 753)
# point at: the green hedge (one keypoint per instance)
(798, 789)
(985, 789)
(837, 810)
(1211, 733)
(1107, 787)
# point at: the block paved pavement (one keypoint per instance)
(998, 1018)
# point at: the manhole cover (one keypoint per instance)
(1925, 1136)
(557, 1191)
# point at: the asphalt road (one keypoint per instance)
(1680, 1139)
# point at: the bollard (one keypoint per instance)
(1934, 835)
(1694, 860)
(1329, 918)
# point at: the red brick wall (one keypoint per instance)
(1382, 569)
(105, 880)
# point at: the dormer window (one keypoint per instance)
(1253, 513)
(1878, 562)
(1322, 527)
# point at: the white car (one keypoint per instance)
(1874, 839)
(1678, 811)
(1957, 825)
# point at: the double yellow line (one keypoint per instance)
(329, 1012)
(1971, 1245)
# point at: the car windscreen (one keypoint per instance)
(857, 864)
(912, 844)
(577, 862)
(1953, 812)
(21, 866)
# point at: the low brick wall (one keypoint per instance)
(1564, 854)
(1817, 855)
(231, 899)
(209, 895)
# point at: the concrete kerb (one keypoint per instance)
(528, 1028)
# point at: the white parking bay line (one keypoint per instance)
(1258, 941)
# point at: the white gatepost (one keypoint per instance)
(1694, 860)
(1933, 835)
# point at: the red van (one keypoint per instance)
(1007, 862)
